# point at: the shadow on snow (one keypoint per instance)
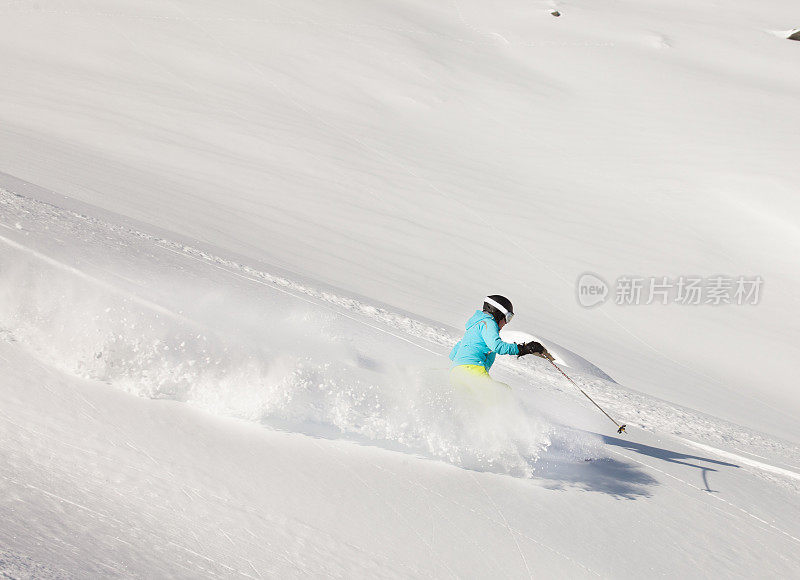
(619, 478)
(671, 457)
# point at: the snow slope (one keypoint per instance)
(344, 141)
(319, 436)
(237, 241)
(301, 452)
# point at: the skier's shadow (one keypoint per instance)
(621, 478)
(695, 461)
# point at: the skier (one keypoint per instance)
(474, 354)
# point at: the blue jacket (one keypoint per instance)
(481, 343)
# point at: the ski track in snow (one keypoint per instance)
(741, 459)
(511, 531)
(278, 283)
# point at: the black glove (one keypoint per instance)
(532, 347)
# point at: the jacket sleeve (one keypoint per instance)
(490, 360)
(491, 337)
(455, 350)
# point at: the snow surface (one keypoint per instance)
(268, 222)
(321, 438)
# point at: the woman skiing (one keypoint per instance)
(474, 354)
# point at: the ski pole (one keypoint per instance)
(620, 428)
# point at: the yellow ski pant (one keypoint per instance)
(474, 382)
